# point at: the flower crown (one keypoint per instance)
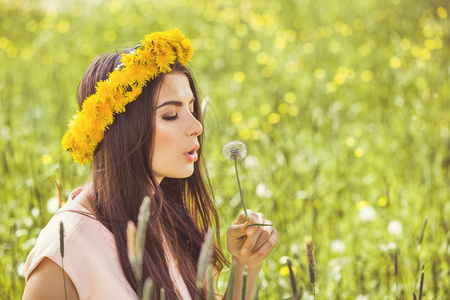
(152, 57)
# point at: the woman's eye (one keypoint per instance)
(171, 118)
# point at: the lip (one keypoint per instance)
(192, 155)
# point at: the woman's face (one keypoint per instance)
(176, 129)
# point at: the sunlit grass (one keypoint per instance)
(343, 106)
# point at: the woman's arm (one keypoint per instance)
(249, 247)
(46, 282)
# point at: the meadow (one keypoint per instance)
(344, 107)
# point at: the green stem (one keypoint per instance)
(240, 189)
(64, 278)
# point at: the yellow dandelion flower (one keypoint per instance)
(118, 78)
(284, 271)
(319, 73)
(138, 74)
(104, 110)
(382, 201)
(290, 97)
(105, 89)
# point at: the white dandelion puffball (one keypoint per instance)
(338, 246)
(234, 150)
(367, 214)
(395, 228)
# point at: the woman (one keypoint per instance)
(140, 125)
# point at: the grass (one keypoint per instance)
(343, 105)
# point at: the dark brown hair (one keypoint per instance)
(181, 209)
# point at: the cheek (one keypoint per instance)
(164, 139)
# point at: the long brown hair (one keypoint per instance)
(181, 209)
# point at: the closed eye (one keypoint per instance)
(171, 118)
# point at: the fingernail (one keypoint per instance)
(244, 252)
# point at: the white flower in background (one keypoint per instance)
(35, 212)
(251, 162)
(301, 195)
(388, 247)
(395, 228)
(367, 214)
(262, 191)
(338, 246)
(21, 269)
(362, 297)
(52, 205)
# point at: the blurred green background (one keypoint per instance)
(343, 106)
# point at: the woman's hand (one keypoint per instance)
(251, 245)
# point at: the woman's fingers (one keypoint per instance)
(264, 235)
(256, 235)
(265, 249)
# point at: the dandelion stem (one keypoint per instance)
(240, 189)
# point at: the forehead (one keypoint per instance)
(175, 87)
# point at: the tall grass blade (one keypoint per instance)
(422, 231)
(204, 260)
(421, 282)
(292, 279)
(162, 294)
(244, 284)
(231, 281)
(148, 289)
(210, 284)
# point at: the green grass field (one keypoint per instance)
(344, 107)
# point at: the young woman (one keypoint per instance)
(140, 125)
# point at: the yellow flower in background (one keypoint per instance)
(361, 204)
(350, 141)
(273, 118)
(283, 108)
(317, 203)
(265, 109)
(357, 132)
(239, 77)
(46, 159)
(364, 50)
(254, 45)
(290, 97)
(293, 110)
(284, 271)
(237, 117)
(442, 12)
(406, 44)
(262, 58)
(319, 73)
(359, 152)
(395, 62)
(366, 75)
(382, 201)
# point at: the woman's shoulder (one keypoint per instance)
(90, 254)
(79, 227)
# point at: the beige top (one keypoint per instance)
(90, 256)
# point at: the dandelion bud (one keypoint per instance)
(311, 262)
(234, 150)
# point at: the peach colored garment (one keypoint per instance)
(90, 257)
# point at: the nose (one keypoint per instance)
(195, 127)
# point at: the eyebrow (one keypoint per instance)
(176, 103)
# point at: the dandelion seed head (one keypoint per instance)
(234, 150)
(395, 228)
